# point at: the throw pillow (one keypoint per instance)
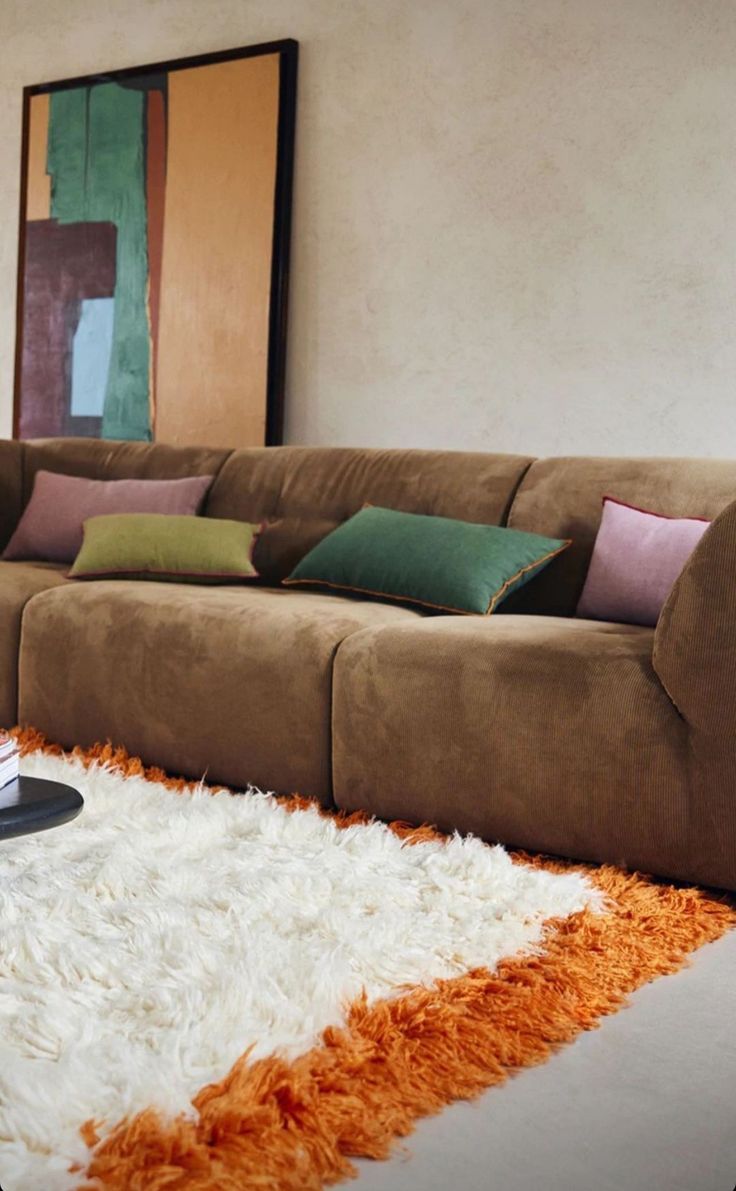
(436, 562)
(51, 526)
(636, 558)
(167, 548)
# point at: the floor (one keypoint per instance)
(645, 1103)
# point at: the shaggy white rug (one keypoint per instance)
(146, 945)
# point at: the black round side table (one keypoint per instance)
(33, 804)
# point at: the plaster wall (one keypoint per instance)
(514, 219)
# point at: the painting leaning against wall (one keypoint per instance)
(154, 243)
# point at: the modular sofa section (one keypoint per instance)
(233, 684)
(542, 733)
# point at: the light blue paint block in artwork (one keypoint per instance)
(91, 352)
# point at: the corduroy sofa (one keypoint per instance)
(588, 739)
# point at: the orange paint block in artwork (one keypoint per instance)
(212, 356)
(38, 194)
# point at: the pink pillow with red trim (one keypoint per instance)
(637, 557)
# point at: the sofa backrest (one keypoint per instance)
(563, 498)
(99, 459)
(11, 481)
(305, 492)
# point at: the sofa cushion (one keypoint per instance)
(233, 682)
(159, 547)
(563, 498)
(306, 492)
(19, 582)
(548, 734)
(52, 524)
(636, 559)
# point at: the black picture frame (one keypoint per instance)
(288, 51)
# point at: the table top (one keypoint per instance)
(34, 804)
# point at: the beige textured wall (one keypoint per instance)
(515, 223)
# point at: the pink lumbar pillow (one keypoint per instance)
(51, 527)
(636, 558)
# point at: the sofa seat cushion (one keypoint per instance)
(543, 733)
(234, 683)
(19, 582)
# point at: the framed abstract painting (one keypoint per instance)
(154, 251)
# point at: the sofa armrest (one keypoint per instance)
(11, 476)
(695, 640)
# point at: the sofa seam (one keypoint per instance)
(331, 719)
(509, 509)
(203, 511)
(333, 673)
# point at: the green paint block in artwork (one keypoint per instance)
(97, 168)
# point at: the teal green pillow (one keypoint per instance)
(166, 547)
(450, 566)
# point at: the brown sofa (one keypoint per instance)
(589, 739)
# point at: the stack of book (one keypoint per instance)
(8, 760)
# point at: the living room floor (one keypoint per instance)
(645, 1103)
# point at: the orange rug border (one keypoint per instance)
(294, 1126)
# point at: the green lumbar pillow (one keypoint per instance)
(450, 566)
(166, 547)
